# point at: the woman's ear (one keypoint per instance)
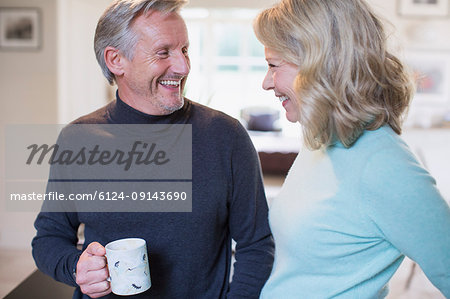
(114, 61)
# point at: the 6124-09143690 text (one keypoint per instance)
(102, 195)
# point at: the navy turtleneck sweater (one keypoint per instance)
(189, 253)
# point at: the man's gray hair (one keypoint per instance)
(114, 28)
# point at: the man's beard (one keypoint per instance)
(172, 108)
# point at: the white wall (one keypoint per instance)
(28, 95)
(82, 87)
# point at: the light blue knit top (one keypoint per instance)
(345, 219)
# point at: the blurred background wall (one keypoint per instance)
(29, 89)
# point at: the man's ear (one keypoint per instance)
(114, 61)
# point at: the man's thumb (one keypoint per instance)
(96, 248)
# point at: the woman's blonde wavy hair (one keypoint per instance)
(347, 81)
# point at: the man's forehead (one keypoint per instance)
(162, 27)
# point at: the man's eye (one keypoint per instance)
(185, 51)
(163, 53)
(271, 65)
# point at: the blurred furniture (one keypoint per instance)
(260, 118)
(276, 151)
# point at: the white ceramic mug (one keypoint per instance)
(129, 272)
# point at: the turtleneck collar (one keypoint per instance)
(122, 113)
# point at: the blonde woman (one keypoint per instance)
(356, 201)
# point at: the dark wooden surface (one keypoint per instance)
(276, 163)
(40, 286)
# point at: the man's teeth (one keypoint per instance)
(283, 98)
(170, 82)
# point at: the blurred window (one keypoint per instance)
(227, 62)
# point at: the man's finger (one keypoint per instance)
(96, 263)
(92, 277)
(98, 295)
(96, 290)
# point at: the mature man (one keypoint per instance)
(142, 46)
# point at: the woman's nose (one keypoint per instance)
(267, 82)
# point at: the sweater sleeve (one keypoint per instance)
(54, 246)
(403, 202)
(249, 221)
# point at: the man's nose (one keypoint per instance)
(181, 64)
(267, 82)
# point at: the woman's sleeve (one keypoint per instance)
(402, 200)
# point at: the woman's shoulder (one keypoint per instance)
(391, 166)
(383, 146)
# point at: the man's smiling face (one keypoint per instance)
(153, 81)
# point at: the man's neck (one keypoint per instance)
(139, 103)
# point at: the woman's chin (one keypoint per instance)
(291, 118)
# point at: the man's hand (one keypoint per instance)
(92, 271)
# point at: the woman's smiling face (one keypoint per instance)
(280, 77)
